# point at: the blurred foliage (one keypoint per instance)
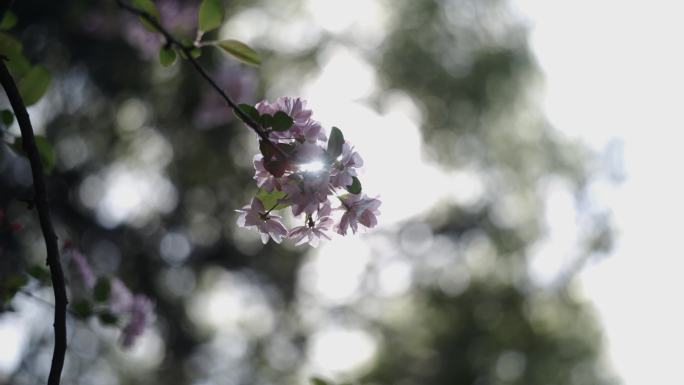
(152, 142)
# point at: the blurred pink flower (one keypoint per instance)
(139, 313)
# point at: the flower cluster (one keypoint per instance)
(303, 167)
(112, 301)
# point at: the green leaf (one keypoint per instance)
(282, 121)
(266, 120)
(45, 151)
(335, 143)
(82, 308)
(167, 56)
(15, 281)
(102, 289)
(8, 21)
(18, 65)
(210, 15)
(39, 272)
(240, 51)
(7, 117)
(250, 111)
(47, 154)
(270, 199)
(9, 46)
(108, 318)
(149, 7)
(33, 86)
(319, 381)
(355, 187)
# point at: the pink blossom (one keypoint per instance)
(82, 267)
(139, 313)
(314, 230)
(120, 297)
(267, 224)
(358, 209)
(303, 127)
(307, 191)
(311, 131)
(344, 169)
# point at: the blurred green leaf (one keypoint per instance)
(47, 154)
(269, 199)
(82, 308)
(39, 272)
(319, 381)
(34, 85)
(335, 143)
(102, 289)
(15, 281)
(7, 117)
(9, 46)
(355, 187)
(18, 65)
(281, 121)
(108, 318)
(167, 56)
(45, 150)
(210, 15)
(149, 7)
(9, 20)
(240, 51)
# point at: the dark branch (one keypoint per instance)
(187, 52)
(41, 201)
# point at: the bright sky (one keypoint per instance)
(614, 70)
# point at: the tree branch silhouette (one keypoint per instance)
(41, 202)
(187, 52)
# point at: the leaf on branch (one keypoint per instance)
(167, 56)
(45, 151)
(7, 118)
(82, 308)
(281, 121)
(210, 15)
(355, 187)
(18, 65)
(149, 7)
(335, 143)
(39, 272)
(102, 289)
(108, 318)
(34, 84)
(266, 120)
(9, 20)
(47, 154)
(248, 110)
(273, 161)
(9, 46)
(240, 51)
(269, 199)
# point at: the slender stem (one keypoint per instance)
(187, 52)
(41, 201)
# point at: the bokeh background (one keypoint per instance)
(523, 152)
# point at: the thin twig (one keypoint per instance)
(41, 201)
(187, 52)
